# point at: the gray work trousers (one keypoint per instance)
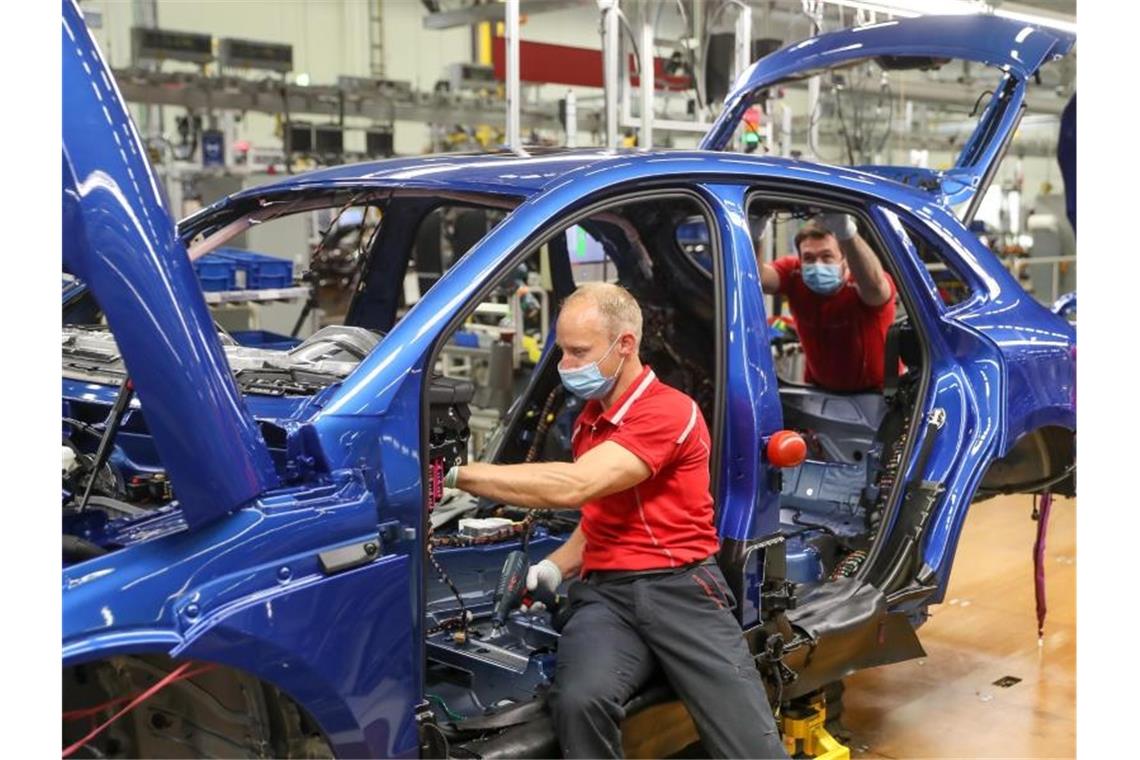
(620, 632)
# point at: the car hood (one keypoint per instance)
(120, 241)
(1015, 47)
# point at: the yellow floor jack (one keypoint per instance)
(804, 733)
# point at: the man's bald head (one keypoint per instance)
(617, 309)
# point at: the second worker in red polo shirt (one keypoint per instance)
(843, 302)
(649, 592)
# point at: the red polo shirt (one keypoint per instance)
(666, 520)
(843, 338)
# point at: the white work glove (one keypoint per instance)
(840, 225)
(68, 459)
(545, 574)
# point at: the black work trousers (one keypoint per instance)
(620, 632)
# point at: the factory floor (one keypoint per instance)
(946, 704)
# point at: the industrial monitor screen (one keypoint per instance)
(378, 142)
(301, 138)
(329, 140)
(583, 248)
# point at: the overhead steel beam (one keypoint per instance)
(197, 92)
(1037, 99)
(1036, 148)
(670, 125)
(494, 12)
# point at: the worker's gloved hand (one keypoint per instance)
(840, 225)
(545, 576)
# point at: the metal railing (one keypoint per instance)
(1055, 263)
(1019, 266)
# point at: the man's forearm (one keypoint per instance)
(537, 485)
(769, 278)
(866, 270)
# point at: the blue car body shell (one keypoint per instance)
(120, 239)
(230, 574)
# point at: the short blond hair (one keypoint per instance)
(618, 308)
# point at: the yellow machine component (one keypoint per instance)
(804, 734)
(533, 350)
(483, 46)
(488, 136)
(667, 728)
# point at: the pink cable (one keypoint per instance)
(174, 675)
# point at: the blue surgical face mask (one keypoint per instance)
(588, 381)
(824, 279)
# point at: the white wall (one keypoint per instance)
(419, 56)
(329, 38)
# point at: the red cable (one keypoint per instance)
(175, 675)
(90, 711)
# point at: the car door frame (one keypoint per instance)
(941, 341)
(1004, 402)
(558, 219)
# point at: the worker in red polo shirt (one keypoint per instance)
(843, 302)
(648, 592)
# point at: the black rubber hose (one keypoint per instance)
(77, 549)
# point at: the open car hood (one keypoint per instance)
(119, 239)
(1016, 48)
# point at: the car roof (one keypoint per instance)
(506, 173)
(502, 172)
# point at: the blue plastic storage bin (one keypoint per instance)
(257, 271)
(264, 339)
(466, 338)
(216, 272)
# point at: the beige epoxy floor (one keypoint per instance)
(946, 704)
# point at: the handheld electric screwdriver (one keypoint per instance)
(511, 589)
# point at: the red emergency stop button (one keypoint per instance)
(786, 448)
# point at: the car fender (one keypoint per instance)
(355, 673)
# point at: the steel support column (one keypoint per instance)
(571, 120)
(611, 45)
(514, 105)
(646, 77)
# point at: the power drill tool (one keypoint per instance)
(511, 589)
(512, 592)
